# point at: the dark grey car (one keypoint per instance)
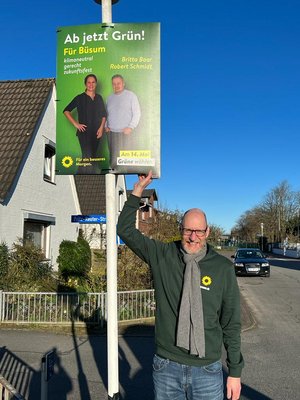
(248, 261)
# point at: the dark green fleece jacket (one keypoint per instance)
(220, 296)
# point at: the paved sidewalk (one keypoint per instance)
(81, 369)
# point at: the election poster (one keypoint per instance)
(108, 99)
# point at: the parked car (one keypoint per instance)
(250, 262)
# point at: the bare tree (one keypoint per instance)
(280, 208)
(216, 233)
(165, 226)
(278, 212)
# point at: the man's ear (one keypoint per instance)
(207, 232)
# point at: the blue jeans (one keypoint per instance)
(173, 381)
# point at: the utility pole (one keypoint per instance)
(298, 239)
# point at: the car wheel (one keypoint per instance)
(268, 274)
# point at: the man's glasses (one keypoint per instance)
(198, 232)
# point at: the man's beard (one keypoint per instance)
(189, 249)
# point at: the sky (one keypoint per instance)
(230, 91)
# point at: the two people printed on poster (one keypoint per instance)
(118, 118)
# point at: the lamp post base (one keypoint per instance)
(116, 395)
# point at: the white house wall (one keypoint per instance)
(34, 195)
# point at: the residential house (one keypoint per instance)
(35, 204)
(147, 210)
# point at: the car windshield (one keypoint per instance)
(249, 254)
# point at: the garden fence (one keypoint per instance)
(64, 308)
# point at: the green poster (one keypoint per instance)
(108, 99)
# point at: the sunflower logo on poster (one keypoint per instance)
(108, 99)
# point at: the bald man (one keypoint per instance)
(197, 307)
(124, 114)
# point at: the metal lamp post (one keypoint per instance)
(111, 255)
(298, 223)
(262, 235)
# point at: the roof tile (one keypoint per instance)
(91, 193)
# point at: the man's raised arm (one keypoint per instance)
(143, 182)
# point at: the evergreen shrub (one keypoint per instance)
(74, 260)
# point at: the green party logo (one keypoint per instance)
(206, 280)
(67, 161)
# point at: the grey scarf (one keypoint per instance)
(190, 329)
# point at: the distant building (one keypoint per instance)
(147, 211)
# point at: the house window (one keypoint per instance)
(49, 163)
(37, 232)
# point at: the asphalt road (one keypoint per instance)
(271, 349)
(270, 345)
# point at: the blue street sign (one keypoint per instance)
(119, 241)
(89, 219)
